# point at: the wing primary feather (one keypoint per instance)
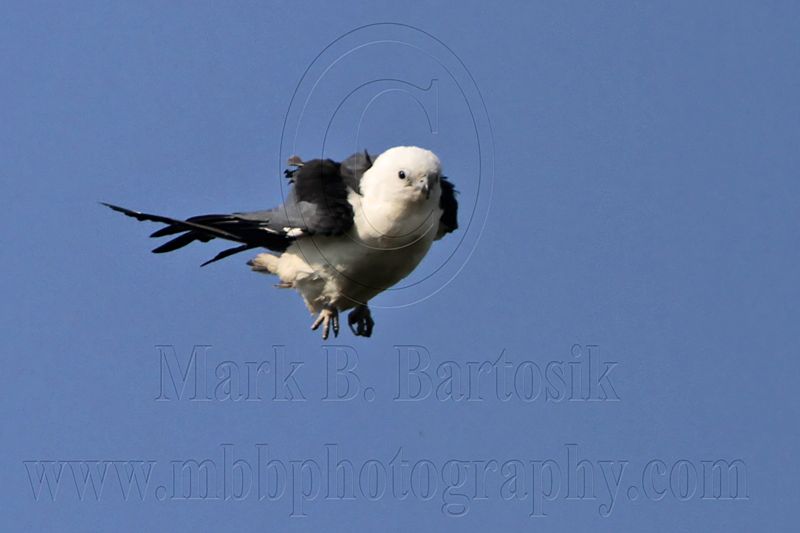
(172, 221)
(177, 242)
(227, 253)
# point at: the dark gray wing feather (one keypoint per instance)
(448, 222)
(317, 204)
(353, 169)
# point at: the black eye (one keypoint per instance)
(401, 175)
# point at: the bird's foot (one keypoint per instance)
(328, 317)
(361, 317)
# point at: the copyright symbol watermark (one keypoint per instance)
(389, 84)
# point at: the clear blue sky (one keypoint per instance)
(643, 217)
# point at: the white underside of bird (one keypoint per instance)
(386, 243)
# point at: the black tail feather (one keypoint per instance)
(204, 228)
(178, 242)
(205, 220)
(172, 229)
(186, 224)
(228, 252)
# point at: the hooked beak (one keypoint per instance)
(424, 187)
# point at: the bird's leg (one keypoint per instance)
(362, 318)
(329, 316)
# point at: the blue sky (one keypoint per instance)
(636, 208)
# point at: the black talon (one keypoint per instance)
(352, 319)
(368, 325)
(361, 317)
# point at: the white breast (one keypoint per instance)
(385, 245)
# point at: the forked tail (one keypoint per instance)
(233, 227)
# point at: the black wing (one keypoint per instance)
(448, 222)
(353, 169)
(315, 205)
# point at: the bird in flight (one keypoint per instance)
(346, 232)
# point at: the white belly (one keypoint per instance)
(385, 244)
(344, 272)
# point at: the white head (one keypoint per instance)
(401, 191)
(404, 173)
